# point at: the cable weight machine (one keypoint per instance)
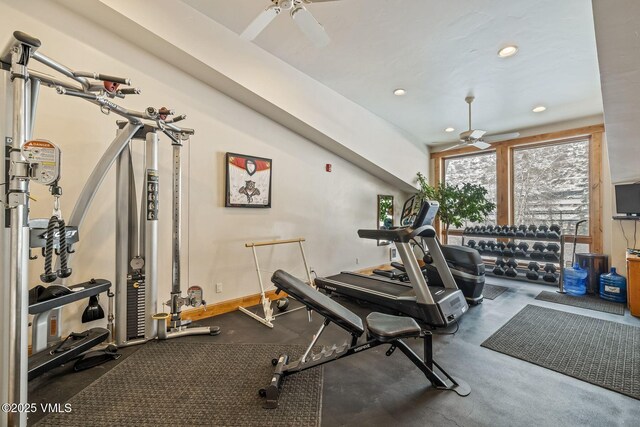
(136, 241)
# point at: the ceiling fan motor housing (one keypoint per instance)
(472, 134)
(284, 4)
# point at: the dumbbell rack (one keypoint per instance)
(522, 269)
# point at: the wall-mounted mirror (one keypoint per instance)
(385, 215)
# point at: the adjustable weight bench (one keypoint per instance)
(380, 329)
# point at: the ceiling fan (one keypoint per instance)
(300, 15)
(476, 138)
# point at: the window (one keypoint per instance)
(474, 169)
(553, 178)
(551, 184)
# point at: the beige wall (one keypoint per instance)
(326, 208)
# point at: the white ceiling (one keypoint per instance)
(440, 51)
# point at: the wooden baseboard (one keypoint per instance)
(227, 306)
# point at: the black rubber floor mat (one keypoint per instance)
(597, 351)
(492, 291)
(590, 302)
(195, 384)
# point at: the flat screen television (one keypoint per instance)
(628, 199)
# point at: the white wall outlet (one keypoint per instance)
(218, 288)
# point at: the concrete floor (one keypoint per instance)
(374, 390)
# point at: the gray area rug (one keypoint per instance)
(597, 351)
(590, 302)
(195, 384)
(492, 291)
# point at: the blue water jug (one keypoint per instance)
(613, 287)
(575, 280)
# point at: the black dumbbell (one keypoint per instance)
(467, 230)
(521, 250)
(531, 231)
(538, 249)
(550, 273)
(476, 229)
(521, 231)
(489, 230)
(554, 232)
(499, 248)
(511, 232)
(552, 252)
(483, 229)
(472, 244)
(512, 265)
(509, 251)
(498, 270)
(482, 246)
(532, 274)
(542, 232)
(503, 231)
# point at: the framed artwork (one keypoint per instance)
(248, 181)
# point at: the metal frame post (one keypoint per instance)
(6, 108)
(123, 255)
(176, 235)
(150, 238)
(18, 202)
(178, 326)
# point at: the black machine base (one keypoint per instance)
(69, 349)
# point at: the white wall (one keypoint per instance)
(326, 208)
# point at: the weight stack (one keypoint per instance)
(135, 308)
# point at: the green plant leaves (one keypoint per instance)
(458, 203)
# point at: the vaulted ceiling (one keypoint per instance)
(441, 51)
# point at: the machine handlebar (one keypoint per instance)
(400, 235)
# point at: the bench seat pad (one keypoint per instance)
(385, 327)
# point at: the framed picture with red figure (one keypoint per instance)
(248, 181)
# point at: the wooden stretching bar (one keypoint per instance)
(274, 242)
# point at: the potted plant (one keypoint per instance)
(458, 203)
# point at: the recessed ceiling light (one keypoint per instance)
(539, 109)
(508, 51)
(399, 92)
(449, 129)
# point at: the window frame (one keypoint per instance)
(505, 175)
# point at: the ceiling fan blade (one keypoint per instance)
(477, 134)
(309, 26)
(480, 144)
(317, 1)
(260, 22)
(501, 137)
